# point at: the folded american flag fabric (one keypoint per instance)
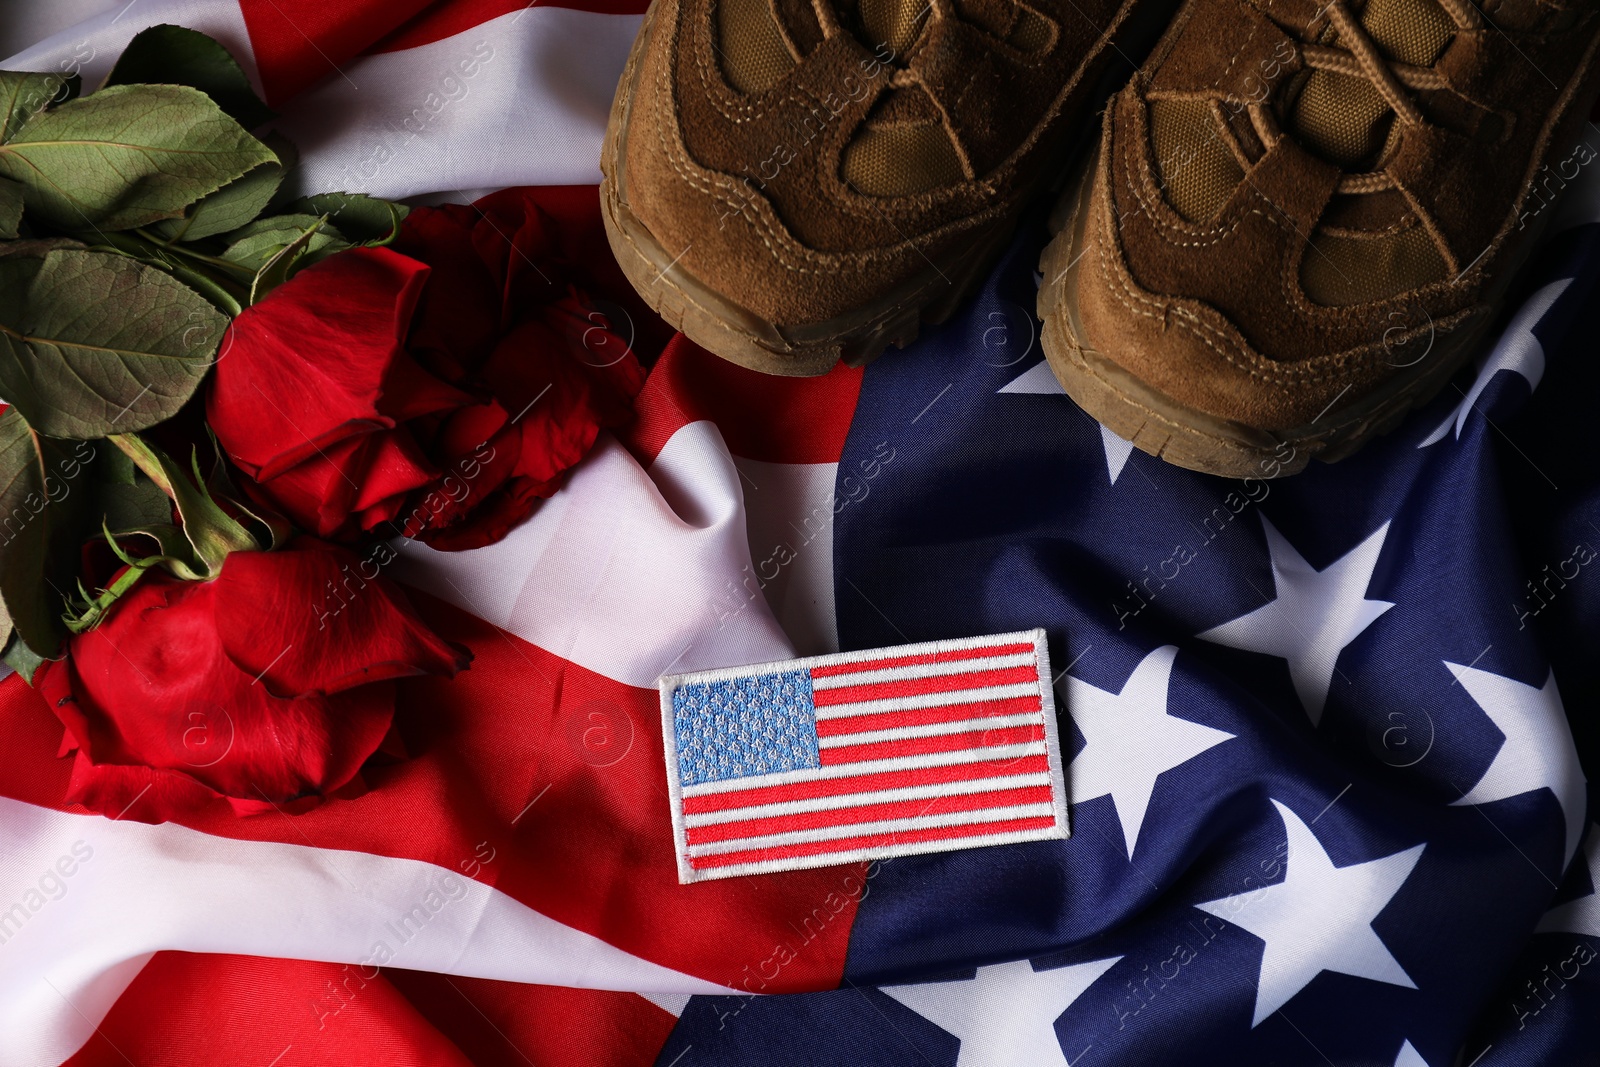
(1323, 740)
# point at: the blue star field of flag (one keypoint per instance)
(1323, 733)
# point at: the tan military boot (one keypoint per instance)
(1302, 215)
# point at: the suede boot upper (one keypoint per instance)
(1297, 204)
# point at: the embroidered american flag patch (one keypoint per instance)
(863, 755)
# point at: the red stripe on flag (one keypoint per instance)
(894, 809)
(910, 687)
(328, 1013)
(851, 844)
(511, 1024)
(890, 720)
(864, 783)
(761, 416)
(832, 669)
(917, 746)
(458, 16)
(300, 42)
(490, 742)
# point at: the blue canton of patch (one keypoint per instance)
(745, 726)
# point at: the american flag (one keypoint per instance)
(863, 755)
(1270, 695)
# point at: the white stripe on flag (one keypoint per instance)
(619, 551)
(997, 753)
(521, 99)
(139, 889)
(791, 505)
(930, 729)
(928, 700)
(922, 670)
(860, 829)
(882, 796)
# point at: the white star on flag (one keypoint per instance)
(1581, 916)
(1314, 615)
(1130, 740)
(1517, 350)
(1007, 1014)
(1537, 753)
(1409, 1057)
(1319, 918)
(1041, 380)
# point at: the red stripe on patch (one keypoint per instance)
(833, 669)
(910, 687)
(850, 844)
(918, 746)
(864, 783)
(891, 720)
(893, 809)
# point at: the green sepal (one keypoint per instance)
(276, 270)
(22, 659)
(270, 530)
(132, 507)
(210, 532)
(361, 218)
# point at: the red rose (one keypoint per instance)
(267, 686)
(437, 393)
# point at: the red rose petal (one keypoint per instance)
(316, 618)
(458, 316)
(409, 391)
(163, 721)
(305, 368)
(136, 794)
(390, 466)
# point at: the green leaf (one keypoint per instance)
(174, 55)
(253, 246)
(361, 218)
(210, 531)
(24, 533)
(10, 208)
(128, 156)
(36, 247)
(41, 490)
(24, 94)
(94, 343)
(230, 207)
